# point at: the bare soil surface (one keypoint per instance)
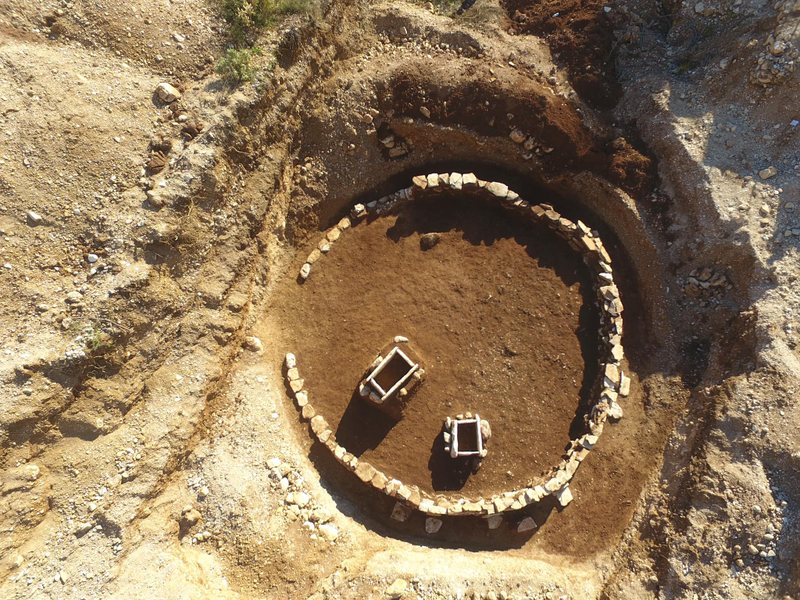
(147, 448)
(501, 313)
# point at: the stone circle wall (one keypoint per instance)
(613, 383)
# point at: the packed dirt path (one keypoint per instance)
(153, 218)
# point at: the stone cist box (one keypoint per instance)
(393, 376)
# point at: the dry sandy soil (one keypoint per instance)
(148, 447)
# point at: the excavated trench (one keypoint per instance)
(508, 128)
(376, 282)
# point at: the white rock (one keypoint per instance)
(290, 361)
(564, 495)
(273, 462)
(34, 218)
(425, 112)
(329, 531)
(167, 93)
(301, 499)
(91, 258)
(615, 411)
(253, 343)
(400, 339)
(397, 589)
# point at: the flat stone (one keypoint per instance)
(497, 189)
(472, 507)
(420, 182)
(290, 361)
(253, 344)
(455, 181)
(400, 512)
(325, 436)
(564, 496)
(333, 234)
(365, 471)
(379, 480)
(296, 385)
(469, 181)
(494, 521)
(34, 218)
(615, 412)
(624, 385)
(444, 179)
(308, 412)
(404, 492)
(319, 424)
(392, 487)
(302, 398)
(399, 586)
(344, 224)
(432, 525)
(293, 374)
(611, 373)
(527, 524)
(314, 256)
(167, 93)
(305, 271)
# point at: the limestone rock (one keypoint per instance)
(290, 360)
(497, 189)
(305, 271)
(329, 531)
(564, 496)
(167, 93)
(397, 589)
(253, 343)
(469, 181)
(615, 411)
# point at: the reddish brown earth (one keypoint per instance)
(500, 312)
(582, 39)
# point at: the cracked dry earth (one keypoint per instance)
(148, 447)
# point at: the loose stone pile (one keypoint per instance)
(613, 382)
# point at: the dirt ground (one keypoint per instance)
(501, 314)
(147, 445)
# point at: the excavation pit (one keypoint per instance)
(517, 286)
(393, 377)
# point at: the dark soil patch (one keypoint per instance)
(581, 38)
(501, 313)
